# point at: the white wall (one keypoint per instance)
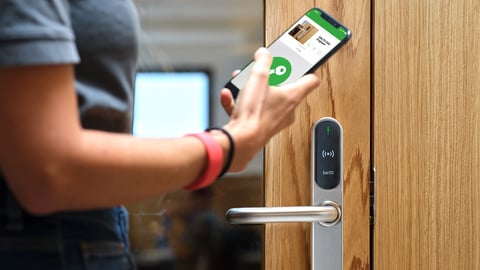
(219, 34)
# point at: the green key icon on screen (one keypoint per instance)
(279, 71)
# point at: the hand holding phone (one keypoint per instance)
(263, 111)
(301, 49)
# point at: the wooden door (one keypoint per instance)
(427, 130)
(345, 95)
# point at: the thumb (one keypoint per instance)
(227, 101)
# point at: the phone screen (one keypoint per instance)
(300, 50)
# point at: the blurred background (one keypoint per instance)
(181, 39)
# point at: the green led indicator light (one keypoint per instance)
(328, 130)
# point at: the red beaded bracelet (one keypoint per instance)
(214, 162)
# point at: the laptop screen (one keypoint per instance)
(170, 104)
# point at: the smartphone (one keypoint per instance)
(308, 43)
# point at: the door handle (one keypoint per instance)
(327, 214)
(327, 199)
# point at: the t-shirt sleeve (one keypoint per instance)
(36, 32)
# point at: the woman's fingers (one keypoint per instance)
(302, 87)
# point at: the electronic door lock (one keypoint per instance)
(327, 186)
(327, 199)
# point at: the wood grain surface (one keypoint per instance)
(426, 130)
(344, 94)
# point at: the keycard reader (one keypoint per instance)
(327, 136)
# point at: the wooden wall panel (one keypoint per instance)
(427, 129)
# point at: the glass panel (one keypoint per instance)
(188, 230)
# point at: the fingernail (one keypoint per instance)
(263, 50)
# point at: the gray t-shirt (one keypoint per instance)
(99, 37)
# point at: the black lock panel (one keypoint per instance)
(327, 137)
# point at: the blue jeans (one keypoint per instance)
(74, 240)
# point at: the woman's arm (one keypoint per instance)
(52, 164)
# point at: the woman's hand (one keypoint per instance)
(261, 111)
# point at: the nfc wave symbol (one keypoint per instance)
(330, 154)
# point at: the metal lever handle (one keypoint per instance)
(328, 214)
